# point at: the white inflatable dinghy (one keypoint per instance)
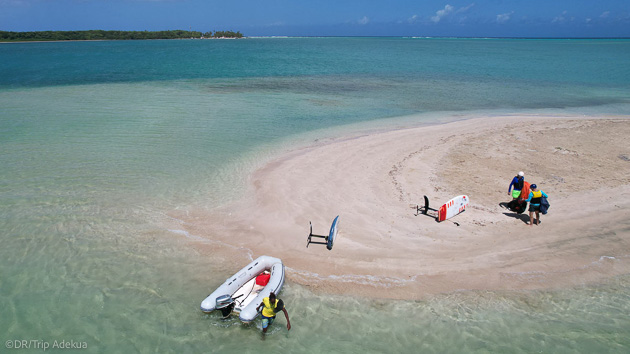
(241, 294)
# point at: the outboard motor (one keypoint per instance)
(226, 304)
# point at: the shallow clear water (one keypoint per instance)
(99, 141)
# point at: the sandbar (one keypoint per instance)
(384, 250)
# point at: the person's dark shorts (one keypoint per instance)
(534, 207)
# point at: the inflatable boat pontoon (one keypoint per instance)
(241, 294)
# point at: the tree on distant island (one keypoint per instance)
(223, 34)
(109, 35)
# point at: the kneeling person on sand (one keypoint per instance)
(271, 306)
(534, 203)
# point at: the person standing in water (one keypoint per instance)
(270, 307)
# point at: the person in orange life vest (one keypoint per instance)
(271, 306)
(534, 203)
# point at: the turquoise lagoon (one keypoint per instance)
(100, 141)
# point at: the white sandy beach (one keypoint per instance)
(375, 181)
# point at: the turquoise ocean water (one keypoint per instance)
(100, 141)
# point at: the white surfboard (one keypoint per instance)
(452, 207)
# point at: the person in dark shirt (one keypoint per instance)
(270, 307)
(517, 183)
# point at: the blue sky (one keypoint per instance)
(472, 18)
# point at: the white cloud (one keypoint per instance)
(364, 21)
(605, 14)
(560, 19)
(466, 8)
(412, 19)
(503, 18)
(441, 13)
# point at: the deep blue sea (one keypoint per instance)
(100, 141)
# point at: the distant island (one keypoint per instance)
(95, 35)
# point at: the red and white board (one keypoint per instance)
(452, 207)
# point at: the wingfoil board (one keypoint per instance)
(333, 233)
(452, 207)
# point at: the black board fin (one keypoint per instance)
(311, 235)
(425, 209)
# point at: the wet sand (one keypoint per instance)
(384, 250)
